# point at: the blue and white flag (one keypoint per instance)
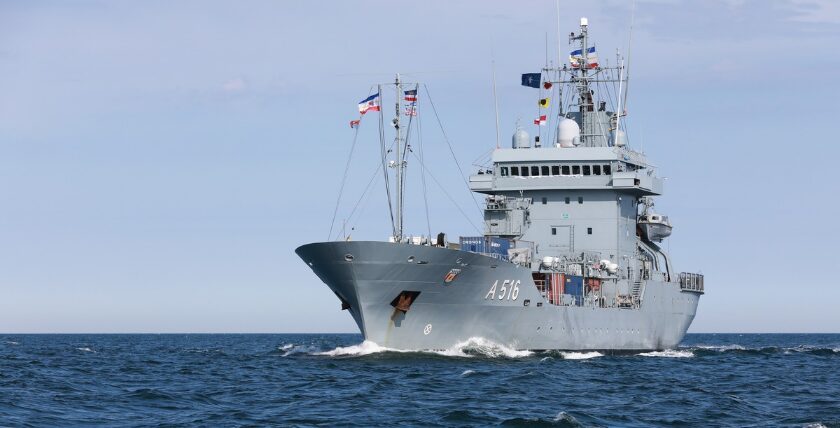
(370, 103)
(591, 58)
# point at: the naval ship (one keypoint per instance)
(570, 257)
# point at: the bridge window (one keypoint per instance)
(580, 199)
(567, 200)
(575, 169)
(544, 200)
(514, 170)
(596, 169)
(504, 171)
(588, 230)
(545, 171)
(555, 170)
(586, 170)
(607, 170)
(524, 171)
(566, 170)
(535, 171)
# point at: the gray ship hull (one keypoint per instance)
(369, 276)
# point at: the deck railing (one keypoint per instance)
(691, 282)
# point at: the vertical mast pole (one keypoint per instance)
(399, 174)
(584, 91)
(618, 113)
(496, 103)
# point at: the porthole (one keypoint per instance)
(348, 257)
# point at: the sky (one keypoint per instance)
(160, 161)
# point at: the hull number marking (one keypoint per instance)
(508, 290)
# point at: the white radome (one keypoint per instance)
(567, 132)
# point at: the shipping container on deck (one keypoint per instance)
(485, 244)
(574, 287)
(556, 286)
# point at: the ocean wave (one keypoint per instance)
(11, 342)
(479, 346)
(365, 348)
(562, 419)
(85, 349)
(706, 350)
(472, 347)
(291, 349)
(567, 419)
(669, 353)
(580, 355)
(467, 372)
(722, 348)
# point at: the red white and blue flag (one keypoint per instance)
(577, 55)
(355, 123)
(370, 103)
(411, 96)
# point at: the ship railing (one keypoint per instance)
(691, 282)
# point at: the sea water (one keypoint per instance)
(339, 380)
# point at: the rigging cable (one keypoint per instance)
(423, 177)
(344, 178)
(367, 188)
(384, 164)
(364, 193)
(452, 152)
(451, 199)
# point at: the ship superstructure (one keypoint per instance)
(570, 255)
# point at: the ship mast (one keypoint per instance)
(582, 81)
(400, 162)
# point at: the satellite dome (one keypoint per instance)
(568, 132)
(521, 139)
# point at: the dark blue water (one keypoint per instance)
(233, 380)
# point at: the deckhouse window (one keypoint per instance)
(553, 230)
(504, 171)
(535, 171)
(596, 169)
(544, 200)
(555, 170)
(566, 170)
(514, 170)
(586, 170)
(575, 169)
(567, 200)
(607, 170)
(524, 171)
(580, 199)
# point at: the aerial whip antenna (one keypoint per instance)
(495, 97)
(629, 49)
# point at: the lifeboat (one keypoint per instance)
(654, 227)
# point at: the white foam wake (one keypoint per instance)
(85, 349)
(472, 347)
(479, 346)
(722, 348)
(365, 348)
(580, 355)
(668, 353)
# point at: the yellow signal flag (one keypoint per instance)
(545, 102)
